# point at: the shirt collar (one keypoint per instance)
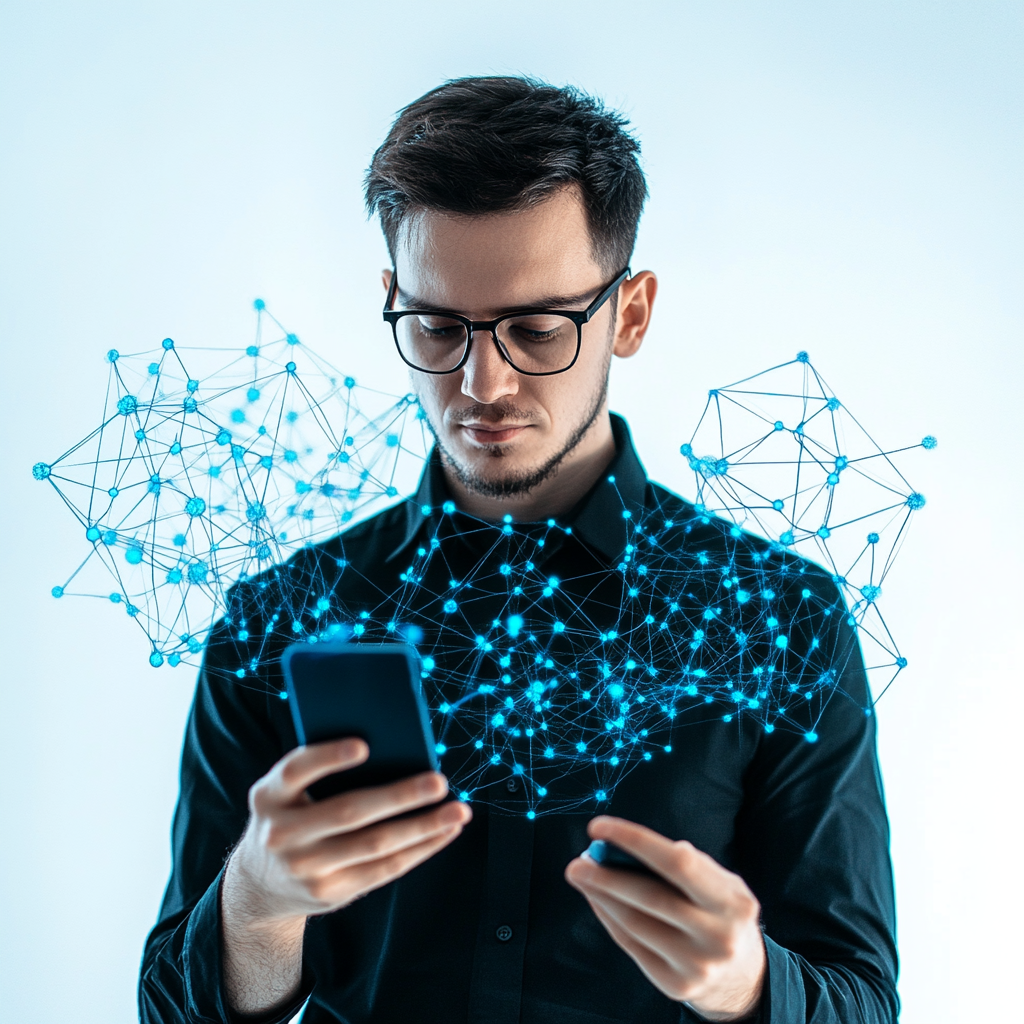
(600, 519)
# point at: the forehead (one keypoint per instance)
(482, 263)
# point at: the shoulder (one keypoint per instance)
(358, 553)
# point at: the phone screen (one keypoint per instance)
(371, 691)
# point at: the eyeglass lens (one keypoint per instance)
(534, 343)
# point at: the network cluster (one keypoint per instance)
(216, 492)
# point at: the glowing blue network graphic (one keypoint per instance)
(216, 491)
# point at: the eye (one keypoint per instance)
(441, 327)
(539, 329)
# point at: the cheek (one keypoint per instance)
(433, 393)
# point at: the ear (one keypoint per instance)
(633, 316)
(385, 276)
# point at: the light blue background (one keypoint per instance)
(838, 177)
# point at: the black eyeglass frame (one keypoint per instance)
(578, 316)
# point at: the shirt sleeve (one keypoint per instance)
(813, 840)
(233, 736)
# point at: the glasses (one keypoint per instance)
(537, 342)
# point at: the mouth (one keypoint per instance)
(493, 433)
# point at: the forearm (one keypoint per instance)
(262, 959)
(797, 991)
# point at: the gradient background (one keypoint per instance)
(838, 177)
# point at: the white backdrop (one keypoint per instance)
(841, 178)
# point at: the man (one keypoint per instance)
(510, 209)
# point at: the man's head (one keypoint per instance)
(499, 194)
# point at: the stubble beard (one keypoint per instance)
(516, 485)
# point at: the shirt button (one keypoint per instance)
(504, 933)
(511, 785)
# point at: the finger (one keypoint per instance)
(348, 812)
(651, 896)
(673, 946)
(657, 970)
(364, 878)
(376, 842)
(288, 780)
(696, 874)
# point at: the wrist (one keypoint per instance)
(246, 910)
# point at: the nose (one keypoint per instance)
(487, 377)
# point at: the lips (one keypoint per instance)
(484, 433)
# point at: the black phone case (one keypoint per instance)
(611, 856)
(372, 691)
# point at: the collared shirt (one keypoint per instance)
(639, 658)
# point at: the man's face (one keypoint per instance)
(503, 432)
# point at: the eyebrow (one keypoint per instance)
(566, 302)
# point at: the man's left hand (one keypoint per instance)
(694, 932)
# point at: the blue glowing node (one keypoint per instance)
(451, 606)
(127, 404)
(167, 344)
(802, 357)
(198, 572)
(686, 449)
(448, 507)
(786, 538)
(133, 554)
(259, 305)
(190, 405)
(901, 662)
(778, 504)
(811, 737)
(833, 404)
(871, 592)
(873, 538)
(929, 442)
(41, 471)
(915, 501)
(156, 659)
(824, 532)
(290, 367)
(57, 591)
(779, 425)
(255, 511)
(113, 355)
(292, 339)
(195, 506)
(92, 534)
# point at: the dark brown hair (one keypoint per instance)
(486, 145)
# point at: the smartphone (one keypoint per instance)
(611, 856)
(372, 691)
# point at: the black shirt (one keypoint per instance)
(639, 658)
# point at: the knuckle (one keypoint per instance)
(319, 889)
(376, 843)
(258, 797)
(275, 836)
(683, 990)
(749, 907)
(700, 974)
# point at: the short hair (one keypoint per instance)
(493, 144)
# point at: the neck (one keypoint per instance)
(556, 495)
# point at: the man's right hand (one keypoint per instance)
(299, 857)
